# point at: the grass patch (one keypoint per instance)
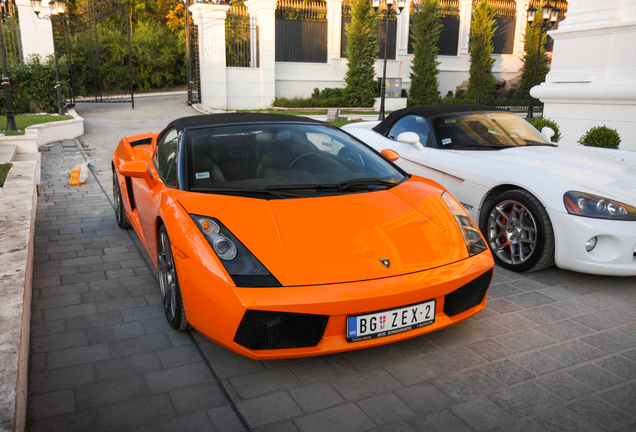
(4, 169)
(341, 123)
(24, 121)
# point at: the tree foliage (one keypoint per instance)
(425, 32)
(362, 49)
(530, 59)
(482, 30)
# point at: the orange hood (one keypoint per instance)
(335, 239)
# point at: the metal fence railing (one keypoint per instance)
(511, 101)
(301, 31)
(13, 40)
(241, 39)
(449, 36)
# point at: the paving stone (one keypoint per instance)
(198, 422)
(490, 350)
(564, 420)
(595, 377)
(507, 372)
(600, 414)
(525, 341)
(139, 344)
(524, 400)
(142, 313)
(121, 303)
(127, 366)
(502, 290)
(198, 397)
(544, 314)
(523, 426)
(410, 371)
(47, 328)
(84, 421)
(451, 360)
(466, 384)
(480, 414)
(610, 341)
(368, 358)
(225, 420)
(424, 398)
(594, 322)
(56, 302)
(178, 356)
(572, 353)
(51, 404)
(564, 386)
(503, 306)
(343, 418)
(178, 377)
(438, 422)
(83, 277)
(515, 322)
(557, 293)
(58, 341)
(624, 397)
(286, 426)
(315, 397)
(411, 347)
(232, 365)
(109, 392)
(52, 380)
(70, 311)
(530, 300)
(77, 356)
(385, 408)
(322, 368)
(114, 332)
(619, 365)
(134, 412)
(264, 382)
(269, 409)
(94, 320)
(564, 330)
(364, 384)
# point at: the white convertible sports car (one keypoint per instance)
(537, 203)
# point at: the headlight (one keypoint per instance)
(472, 237)
(588, 205)
(244, 268)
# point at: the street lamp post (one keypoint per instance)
(389, 5)
(549, 16)
(11, 126)
(58, 7)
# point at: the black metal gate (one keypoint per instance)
(98, 72)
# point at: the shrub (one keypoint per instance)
(425, 32)
(543, 122)
(362, 48)
(482, 30)
(296, 102)
(601, 136)
(531, 40)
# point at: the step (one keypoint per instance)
(7, 153)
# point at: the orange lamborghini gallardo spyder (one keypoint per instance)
(279, 236)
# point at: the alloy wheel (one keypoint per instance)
(512, 232)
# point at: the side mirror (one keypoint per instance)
(391, 155)
(410, 138)
(137, 169)
(547, 133)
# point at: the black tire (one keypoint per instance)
(120, 215)
(169, 283)
(519, 232)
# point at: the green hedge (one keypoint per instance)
(540, 123)
(601, 136)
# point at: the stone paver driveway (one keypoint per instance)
(552, 351)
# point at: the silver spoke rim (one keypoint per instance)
(512, 232)
(167, 278)
(117, 199)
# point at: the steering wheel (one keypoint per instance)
(302, 156)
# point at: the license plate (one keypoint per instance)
(390, 322)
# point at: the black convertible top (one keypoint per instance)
(427, 111)
(229, 118)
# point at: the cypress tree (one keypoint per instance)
(425, 33)
(482, 30)
(362, 49)
(531, 40)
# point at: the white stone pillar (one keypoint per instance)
(592, 81)
(520, 27)
(265, 13)
(210, 18)
(37, 37)
(334, 26)
(465, 17)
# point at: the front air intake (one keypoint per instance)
(261, 330)
(468, 296)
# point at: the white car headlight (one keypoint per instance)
(593, 206)
(472, 237)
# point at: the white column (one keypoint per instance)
(334, 26)
(210, 18)
(465, 16)
(520, 27)
(592, 81)
(265, 13)
(37, 37)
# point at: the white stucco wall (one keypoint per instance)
(37, 36)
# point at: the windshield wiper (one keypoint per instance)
(253, 191)
(339, 186)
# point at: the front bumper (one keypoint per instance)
(615, 251)
(216, 309)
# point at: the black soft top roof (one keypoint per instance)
(229, 118)
(427, 111)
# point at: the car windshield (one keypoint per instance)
(283, 161)
(485, 131)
